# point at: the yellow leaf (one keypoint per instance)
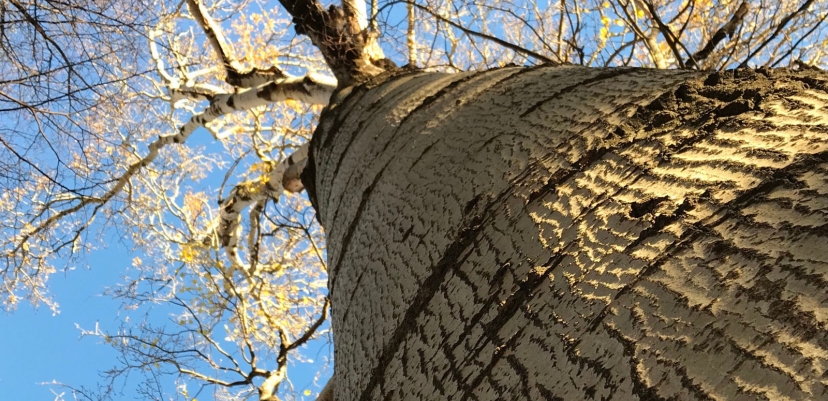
(307, 392)
(639, 13)
(295, 105)
(187, 253)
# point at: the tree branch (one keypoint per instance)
(254, 191)
(357, 9)
(796, 44)
(236, 74)
(499, 41)
(726, 30)
(665, 30)
(314, 89)
(348, 47)
(779, 28)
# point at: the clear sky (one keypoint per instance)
(38, 347)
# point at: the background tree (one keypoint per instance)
(264, 272)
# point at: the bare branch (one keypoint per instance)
(312, 329)
(250, 192)
(411, 36)
(665, 30)
(726, 30)
(357, 8)
(471, 32)
(236, 74)
(796, 44)
(349, 49)
(776, 32)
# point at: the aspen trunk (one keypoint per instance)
(572, 233)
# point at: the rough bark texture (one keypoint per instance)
(572, 233)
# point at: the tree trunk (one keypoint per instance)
(573, 233)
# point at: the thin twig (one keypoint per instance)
(779, 28)
(726, 30)
(499, 41)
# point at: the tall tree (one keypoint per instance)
(523, 232)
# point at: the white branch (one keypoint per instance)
(173, 84)
(196, 93)
(315, 89)
(214, 34)
(283, 177)
(159, 64)
(271, 383)
(312, 88)
(357, 8)
(237, 75)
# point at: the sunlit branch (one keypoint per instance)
(728, 30)
(214, 34)
(357, 8)
(196, 92)
(672, 41)
(559, 51)
(350, 50)
(170, 81)
(373, 19)
(236, 74)
(649, 41)
(273, 378)
(313, 89)
(254, 191)
(410, 36)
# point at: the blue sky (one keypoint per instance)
(39, 347)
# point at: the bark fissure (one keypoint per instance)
(375, 109)
(455, 254)
(608, 74)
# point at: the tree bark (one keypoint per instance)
(572, 233)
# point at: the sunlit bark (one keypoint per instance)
(572, 233)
